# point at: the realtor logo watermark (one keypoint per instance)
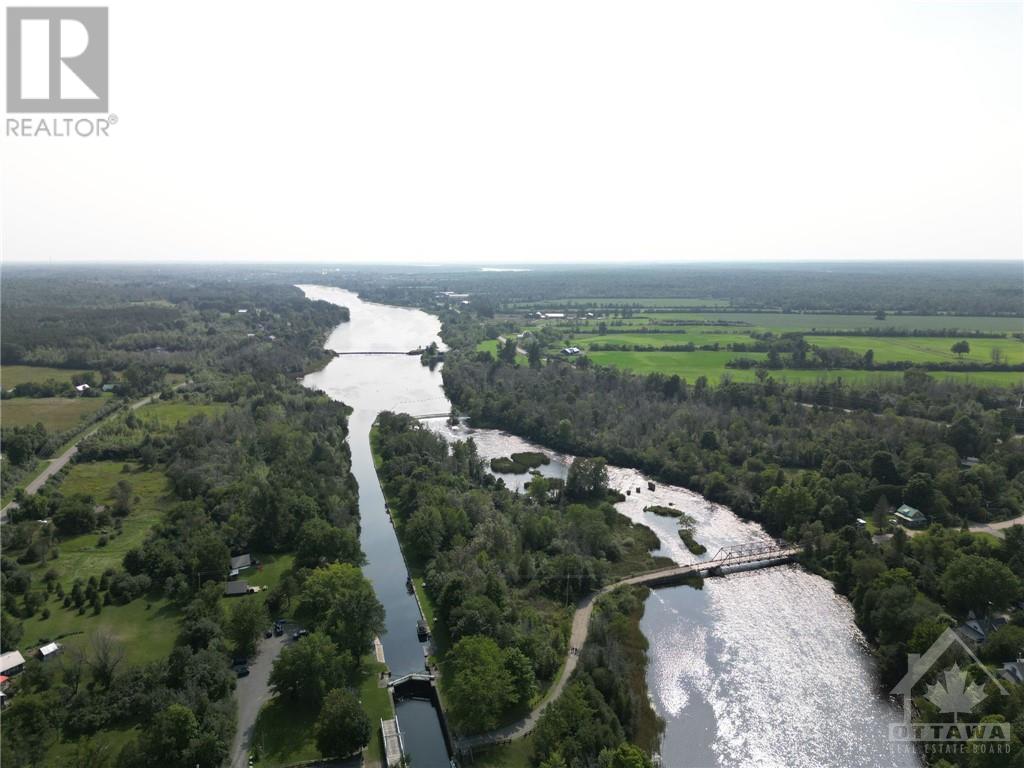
(953, 692)
(58, 63)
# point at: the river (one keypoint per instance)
(764, 668)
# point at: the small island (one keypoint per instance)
(686, 527)
(519, 463)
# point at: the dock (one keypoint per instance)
(393, 748)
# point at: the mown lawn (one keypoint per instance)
(64, 753)
(13, 375)
(82, 556)
(146, 629)
(57, 414)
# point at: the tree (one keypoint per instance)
(477, 664)
(320, 543)
(883, 468)
(507, 351)
(307, 670)
(340, 601)
(171, 735)
(124, 498)
(246, 620)
(107, 655)
(343, 727)
(587, 479)
(533, 354)
(974, 582)
(27, 730)
(625, 755)
(960, 348)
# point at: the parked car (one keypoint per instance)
(268, 633)
(278, 630)
(241, 670)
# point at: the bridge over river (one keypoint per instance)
(740, 557)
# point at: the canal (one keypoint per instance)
(763, 668)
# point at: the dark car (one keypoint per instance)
(241, 670)
(269, 633)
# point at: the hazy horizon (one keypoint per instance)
(574, 133)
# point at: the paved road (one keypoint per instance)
(54, 466)
(581, 625)
(251, 693)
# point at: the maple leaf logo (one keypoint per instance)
(955, 696)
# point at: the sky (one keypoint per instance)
(516, 132)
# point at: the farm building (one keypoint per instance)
(571, 351)
(11, 663)
(49, 650)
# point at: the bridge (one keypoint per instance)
(758, 555)
(740, 557)
(410, 352)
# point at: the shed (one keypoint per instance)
(236, 588)
(241, 562)
(82, 388)
(11, 663)
(49, 650)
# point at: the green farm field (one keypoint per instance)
(13, 375)
(921, 349)
(57, 414)
(587, 303)
(781, 322)
(691, 365)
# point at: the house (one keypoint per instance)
(862, 523)
(571, 351)
(80, 388)
(1013, 671)
(11, 663)
(975, 631)
(236, 588)
(107, 387)
(911, 517)
(970, 461)
(49, 650)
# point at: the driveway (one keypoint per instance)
(251, 693)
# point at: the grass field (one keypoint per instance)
(783, 322)
(147, 630)
(690, 365)
(13, 375)
(622, 302)
(82, 556)
(515, 754)
(890, 349)
(172, 413)
(56, 413)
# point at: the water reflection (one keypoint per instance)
(764, 668)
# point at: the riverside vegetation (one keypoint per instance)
(122, 556)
